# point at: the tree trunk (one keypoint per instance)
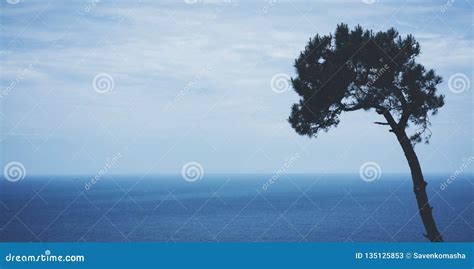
(419, 185)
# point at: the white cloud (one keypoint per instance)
(154, 50)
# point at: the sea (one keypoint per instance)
(232, 208)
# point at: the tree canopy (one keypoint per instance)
(359, 69)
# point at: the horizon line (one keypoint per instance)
(223, 173)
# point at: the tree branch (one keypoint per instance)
(354, 108)
(404, 119)
(391, 121)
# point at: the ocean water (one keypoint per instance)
(231, 208)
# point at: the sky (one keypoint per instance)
(144, 87)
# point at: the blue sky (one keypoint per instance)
(192, 82)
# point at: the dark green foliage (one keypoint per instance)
(357, 69)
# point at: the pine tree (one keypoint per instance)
(362, 70)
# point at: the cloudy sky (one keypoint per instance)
(160, 85)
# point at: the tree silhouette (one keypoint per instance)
(357, 69)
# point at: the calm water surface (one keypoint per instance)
(230, 208)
